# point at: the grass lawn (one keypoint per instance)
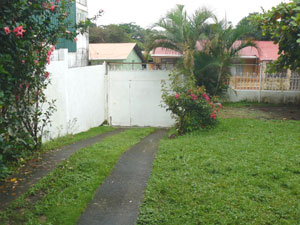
(245, 171)
(56, 144)
(61, 196)
(70, 139)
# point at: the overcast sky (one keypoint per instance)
(147, 12)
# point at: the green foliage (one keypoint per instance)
(282, 24)
(181, 33)
(119, 33)
(62, 195)
(212, 64)
(253, 30)
(190, 106)
(243, 172)
(28, 32)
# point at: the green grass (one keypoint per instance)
(242, 104)
(61, 196)
(55, 144)
(70, 139)
(245, 171)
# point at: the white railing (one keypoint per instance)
(267, 81)
(139, 66)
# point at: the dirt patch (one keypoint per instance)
(262, 112)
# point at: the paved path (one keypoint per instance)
(118, 199)
(41, 168)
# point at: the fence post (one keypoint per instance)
(260, 81)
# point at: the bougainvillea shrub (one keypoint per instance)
(29, 31)
(190, 105)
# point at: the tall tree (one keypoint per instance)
(219, 50)
(112, 33)
(254, 31)
(181, 33)
(120, 33)
(282, 23)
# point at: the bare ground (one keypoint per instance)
(285, 112)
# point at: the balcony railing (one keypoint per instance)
(274, 82)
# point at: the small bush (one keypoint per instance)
(191, 107)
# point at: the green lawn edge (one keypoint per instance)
(56, 143)
(60, 142)
(245, 171)
(62, 195)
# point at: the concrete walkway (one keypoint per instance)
(41, 168)
(118, 199)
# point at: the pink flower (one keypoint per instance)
(57, 1)
(52, 8)
(75, 39)
(19, 31)
(51, 50)
(194, 97)
(23, 61)
(16, 96)
(177, 96)
(36, 61)
(44, 5)
(206, 97)
(7, 30)
(213, 116)
(47, 75)
(48, 59)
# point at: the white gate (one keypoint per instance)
(134, 99)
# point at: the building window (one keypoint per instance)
(82, 2)
(80, 15)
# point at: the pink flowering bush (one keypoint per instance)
(29, 31)
(191, 107)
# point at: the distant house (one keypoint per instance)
(165, 56)
(249, 59)
(126, 54)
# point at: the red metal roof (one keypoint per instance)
(266, 50)
(165, 52)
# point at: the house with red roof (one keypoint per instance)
(251, 58)
(248, 61)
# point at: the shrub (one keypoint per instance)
(191, 107)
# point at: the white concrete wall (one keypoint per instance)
(80, 57)
(276, 97)
(79, 95)
(134, 99)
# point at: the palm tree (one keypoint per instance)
(181, 33)
(219, 50)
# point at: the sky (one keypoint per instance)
(147, 12)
